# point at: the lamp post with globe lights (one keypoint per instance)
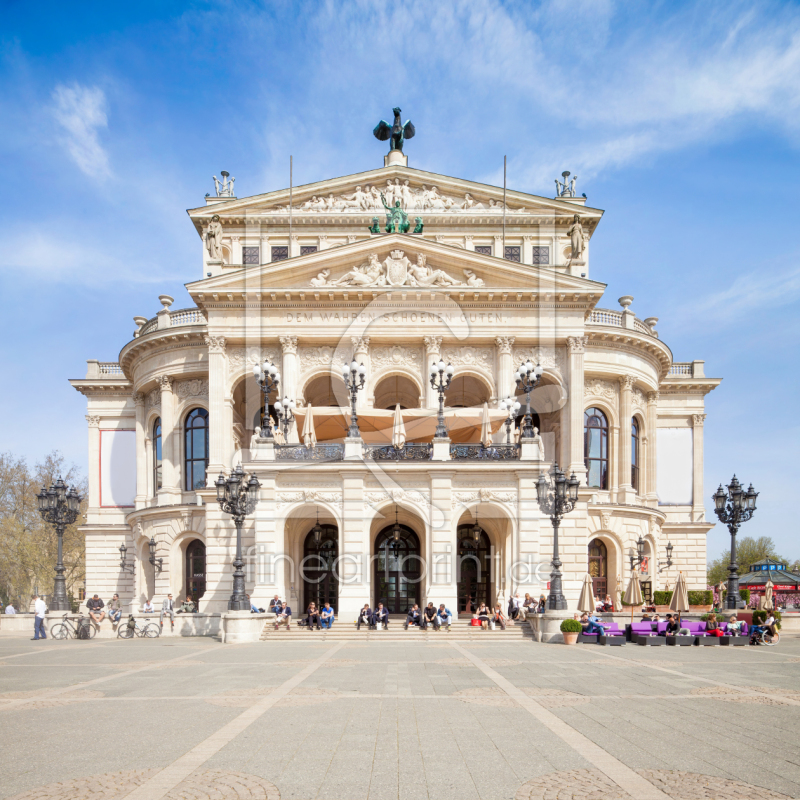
(557, 496)
(528, 377)
(512, 407)
(285, 412)
(59, 505)
(267, 377)
(733, 508)
(441, 376)
(238, 498)
(354, 375)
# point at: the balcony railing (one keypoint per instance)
(111, 368)
(174, 319)
(299, 452)
(409, 452)
(616, 319)
(477, 452)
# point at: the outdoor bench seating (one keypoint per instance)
(612, 629)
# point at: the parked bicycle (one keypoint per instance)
(763, 636)
(133, 628)
(83, 629)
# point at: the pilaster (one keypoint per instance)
(576, 348)
(217, 363)
(433, 349)
(268, 570)
(497, 250)
(698, 509)
(444, 543)
(294, 246)
(94, 461)
(361, 355)
(626, 492)
(355, 546)
(170, 446)
(651, 452)
(141, 452)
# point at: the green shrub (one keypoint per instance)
(571, 626)
(662, 598)
(703, 597)
(760, 616)
(745, 595)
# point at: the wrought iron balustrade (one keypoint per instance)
(477, 452)
(299, 452)
(409, 452)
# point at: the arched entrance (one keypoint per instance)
(320, 584)
(398, 569)
(195, 570)
(474, 573)
(598, 567)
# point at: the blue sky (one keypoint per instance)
(681, 121)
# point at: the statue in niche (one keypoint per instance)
(537, 440)
(321, 279)
(422, 275)
(396, 218)
(472, 279)
(214, 239)
(577, 240)
(397, 132)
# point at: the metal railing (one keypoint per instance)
(409, 452)
(299, 452)
(477, 452)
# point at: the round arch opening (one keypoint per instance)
(396, 390)
(398, 569)
(320, 582)
(474, 570)
(326, 391)
(467, 391)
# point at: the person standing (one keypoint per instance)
(40, 609)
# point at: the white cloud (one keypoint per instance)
(80, 110)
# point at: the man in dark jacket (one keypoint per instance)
(429, 617)
(381, 615)
(413, 617)
(365, 617)
(95, 607)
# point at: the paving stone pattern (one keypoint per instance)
(404, 720)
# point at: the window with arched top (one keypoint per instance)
(635, 454)
(195, 459)
(157, 455)
(598, 567)
(595, 447)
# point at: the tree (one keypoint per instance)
(29, 547)
(748, 551)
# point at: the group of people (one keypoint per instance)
(315, 616)
(518, 608)
(429, 616)
(373, 618)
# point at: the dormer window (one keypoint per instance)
(307, 249)
(540, 254)
(513, 254)
(250, 255)
(483, 249)
(279, 253)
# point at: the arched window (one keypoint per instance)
(397, 570)
(595, 447)
(196, 570)
(598, 568)
(320, 583)
(196, 449)
(474, 570)
(157, 455)
(635, 454)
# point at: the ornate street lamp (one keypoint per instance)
(238, 498)
(59, 506)
(557, 496)
(267, 377)
(669, 558)
(636, 560)
(528, 377)
(285, 412)
(476, 530)
(122, 564)
(733, 508)
(354, 375)
(512, 406)
(316, 532)
(158, 563)
(441, 375)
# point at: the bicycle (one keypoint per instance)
(133, 628)
(68, 630)
(763, 636)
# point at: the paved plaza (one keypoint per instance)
(304, 718)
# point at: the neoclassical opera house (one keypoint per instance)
(388, 506)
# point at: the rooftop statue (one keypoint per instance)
(225, 188)
(566, 189)
(397, 132)
(396, 218)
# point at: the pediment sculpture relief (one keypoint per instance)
(396, 270)
(368, 198)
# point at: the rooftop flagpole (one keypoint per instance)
(504, 207)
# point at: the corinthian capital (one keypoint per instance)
(93, 420)
(652, 398)
(504, 344)
(433, 344)
(577, 344)
(138, 398)
(360, 344)
(164, 383)
(216, 344)
(698, 420)
(289, 344)
(626, 382)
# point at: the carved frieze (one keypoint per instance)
(397, 496)
(197, 387)
(308, 496)
(483, 496)
(597, 387)
(153, 400)
(638, 399)
(470, 356)
(242, 359)
(396, 356)
(323, 356)
(549, 357)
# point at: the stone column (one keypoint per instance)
(294, 246)
(217, 363)
(469, 243)
(497, 250)
(613, 463)
(236, 250)
(361, 355)
(170, 491)
(527, 252)
(576, 347)
(289, 367)
(505, 368)
(433, 351)
(698, 509)
(651, 491)
(355, 548)
(626, 492)
(141, 452)
(443, 546)
(94, 460)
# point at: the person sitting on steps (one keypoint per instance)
(498, 617)
(381, 616)
(444, 616)
(483, 615)
(364, 617)
(429, 617)
(413, 617)
(327, 616)
(312, 617)
(284, 617)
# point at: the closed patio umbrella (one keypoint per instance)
(680, 597)
(633, 594)
(309, 436)
(768, 587)
(586, 600)
(486, 427)
(398, 429)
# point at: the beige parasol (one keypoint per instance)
(586, 600)
(486, 427)
(398, 429)
(309, 436)
(769, 604)
(633, 594)
(680, 597)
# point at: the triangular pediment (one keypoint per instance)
(421, 193)
(391, 263)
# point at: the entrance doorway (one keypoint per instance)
(474, 573)
(598, 568)
(397, 569)
(320, 585)
(195, 570)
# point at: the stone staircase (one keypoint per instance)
(460, 631)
